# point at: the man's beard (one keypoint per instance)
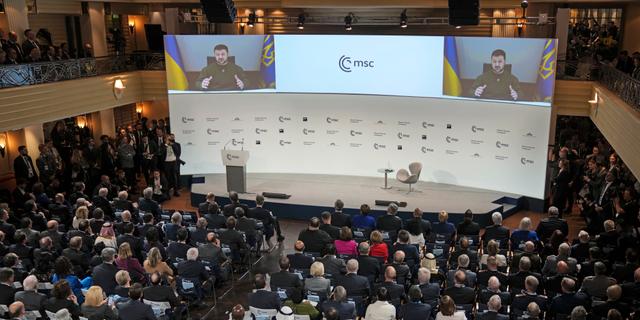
(498, 71)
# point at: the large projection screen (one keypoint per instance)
(350, 105)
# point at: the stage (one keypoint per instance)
(311, 194)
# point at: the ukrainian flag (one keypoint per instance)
(176, 77)
(268, 62)
(547, 72)
(452, 85)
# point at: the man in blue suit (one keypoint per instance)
(415, 309)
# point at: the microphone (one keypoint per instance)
(226, 144)
(242, 143)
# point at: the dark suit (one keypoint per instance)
(369, 267)
(430, 292)
(345, 310)
(602, 309)
(468, 228)
(178, 250)
(395, 292)
(331, 230)
(161, 293)
(483, 278)
(103, 203)
(414, 311)
(340, 219)
(333, 265)
(53, 305)
(285, 279)
(9, 231)
(494, 232)
(300, 261)
(104, 275)
(492, 315)
(516, 281)
(546, 227)
(135, 310)
(87, 240)
(28, 45)
(150, 206)
(135, 243)
(264, 299)
(561, 190)
(7, 294)
(21, 169)
(192, 270)
(264, 215)
(521, 302)
(248, 226)
(314, 240)
(32, 300)
(564, 303)
(355, 285)
(461, 295)
(389, 223)
(215, 221)
(229, 209)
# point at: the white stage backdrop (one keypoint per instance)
(489, 145)
(474, 111)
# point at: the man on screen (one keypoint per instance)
(497, 83)
(223, 74)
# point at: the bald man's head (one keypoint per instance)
(562, 267)
(390, 273)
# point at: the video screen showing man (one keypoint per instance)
(223, 74)
(497, 83)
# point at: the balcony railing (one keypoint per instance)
(45, 72)
(623, 85)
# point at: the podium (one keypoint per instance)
(236, 163)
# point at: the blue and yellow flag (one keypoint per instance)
(452, 85)
(176, 77)
(268, 62)
(547, 72)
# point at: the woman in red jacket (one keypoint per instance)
(378, 247)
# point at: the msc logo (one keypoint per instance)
(259, 131)
(525, 161)
(212, 131)
(501, 144)
(307, 131)
(186, 120)
(284, 142)
(427, 125)
(231, 157)
(379, 122)
(356, 133)
(379, 146)
(476, 129)
(236, 119)
(331, 120)
(346, 64)
(283, 119)
(529, 135)
(475, 155)
(402, 135)
(332, 144)
(235, 142)
(450, 139)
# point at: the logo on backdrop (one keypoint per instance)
(425, 149)
(231, 157)
(475, 128)
(402, 135)
(259, 130)
(331, 120)
(525, 161)
(284, 142)
(346, 64)
(427, 125)
(450, 139)
(187, 120)
(212, 131)
(475, 155)
(356, 133)
(378, 146)
(501, 144)
(308, 131)
(283, 118)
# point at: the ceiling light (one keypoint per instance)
(301, 19)
(403, 19)
(348, 19)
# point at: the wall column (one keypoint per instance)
(17, 18)
(107, 123)
(33, 136)
(97, 30)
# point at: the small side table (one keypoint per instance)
(386, 172)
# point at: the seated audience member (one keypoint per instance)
(237, 313)
(269, 222)
(148, 205)
(284, 279)
(395, 291)
(339, 218)
(459, 292)
(339, 302)
(493, 289)
(517, 280)
(193, 269)
(314, 239)
(171, 229)
(155, 264)
(317, 283)
(355, 284)
(390, 223)
(430, 291)
(369, 267)
(30, 297)
(96, 306)
(300, 307)
(332, 265)
(17, 311)
(418, 228)
(467, 227)
(378, 247)
(523, 234)
(547, 226)
(234, 239)
(414, 309)
(104, 274)
(564, 254)
(494, 305)
(463, 265)
(298, 259)
(483, 276)
(496, 231)
(64, 270)
(464, 248)
(447, 310)
(411, 253)
(552, 283)
(326, 226)
(107, 236)
(564, 303)
(63, 298)
(126, 261)
(230, 209)
(531, 254)
(493, 250)
(403, 272)
(199, 234)
(529, 295)
(123, 279)
(614, 295)
(381, 309)
(249, 226)
(261, 298)
(134, 308)
(345, 245)
(578, 313)
(160, 292)
(596, 285)
(364, 221)
(443, 228)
